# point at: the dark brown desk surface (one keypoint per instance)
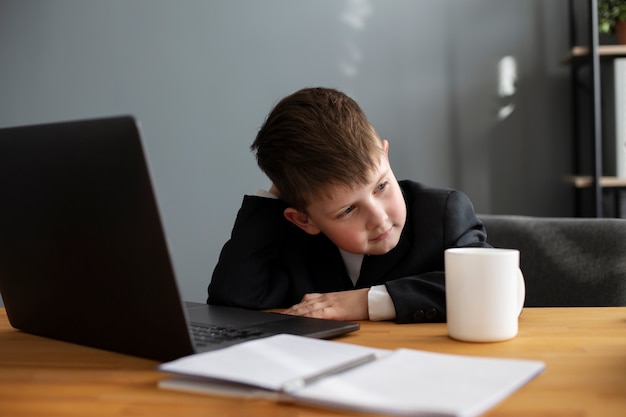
(584, 350)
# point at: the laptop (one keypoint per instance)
(83, 255)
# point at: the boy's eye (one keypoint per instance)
(346, 211)
(381, 186)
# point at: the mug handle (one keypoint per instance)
(521, 291)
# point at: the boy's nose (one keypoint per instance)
(377, 216)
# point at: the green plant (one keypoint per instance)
(610, 12)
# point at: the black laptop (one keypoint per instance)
(83, 256)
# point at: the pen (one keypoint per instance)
(299, 383)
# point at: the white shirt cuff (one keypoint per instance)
(379, 304)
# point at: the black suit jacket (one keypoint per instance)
(270, 263)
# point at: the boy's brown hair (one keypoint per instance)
(313, 139)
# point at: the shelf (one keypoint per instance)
(586, 181)
(580, 52)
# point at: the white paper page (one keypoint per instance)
(273, 362)
(416, 383)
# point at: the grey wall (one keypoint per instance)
(201, 76)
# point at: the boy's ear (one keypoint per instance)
(385, 145)
(301, 220)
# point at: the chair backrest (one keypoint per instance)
(565, 261)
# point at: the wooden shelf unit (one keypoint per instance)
(586, 181)
(588, 56)
(604, 51)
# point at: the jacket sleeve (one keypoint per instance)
(245, 275)
(421, 298)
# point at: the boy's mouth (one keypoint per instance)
(383, 235)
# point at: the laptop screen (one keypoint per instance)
(82, 253)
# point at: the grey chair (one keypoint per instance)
(565, 261)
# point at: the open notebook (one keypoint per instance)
(340, 375)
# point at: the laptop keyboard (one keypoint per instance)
(214, 335)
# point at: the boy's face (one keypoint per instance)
(366, 220)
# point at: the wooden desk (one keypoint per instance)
(584, 349)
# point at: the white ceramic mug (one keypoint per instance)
(485, 293)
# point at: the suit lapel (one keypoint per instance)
(331, 272)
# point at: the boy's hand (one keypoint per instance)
(343, 305)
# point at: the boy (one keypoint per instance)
(337, 236)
